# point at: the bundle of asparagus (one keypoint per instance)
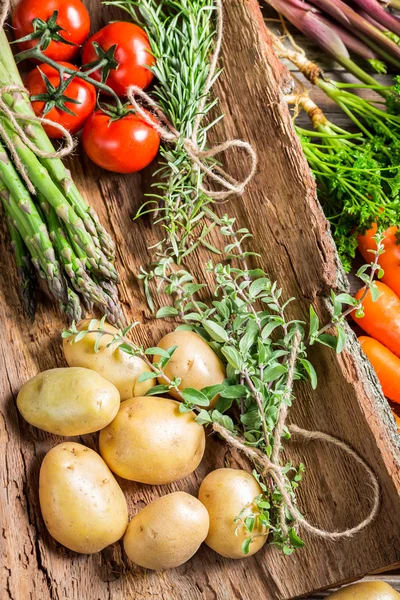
(53, 229)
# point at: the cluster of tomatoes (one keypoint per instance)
(119, 55)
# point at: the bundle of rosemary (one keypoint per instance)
(51, 225)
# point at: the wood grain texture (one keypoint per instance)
(292, 237)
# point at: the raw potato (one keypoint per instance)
(152, 442)
(167, 532)
(113, 364)
(193, 361)
(224, 493)
(68, 401)
(82, 505)
(366, 590)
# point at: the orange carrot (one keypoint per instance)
(386, 365)
(381, 318)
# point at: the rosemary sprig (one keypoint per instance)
(182, 36)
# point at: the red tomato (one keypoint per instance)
(78, 89)
(125, 145)
(72, 17)
(132, 55)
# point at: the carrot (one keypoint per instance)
(386, 365)
(389, 260)
(381, 318)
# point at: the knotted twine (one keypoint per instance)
(272, 467)
(169, 133)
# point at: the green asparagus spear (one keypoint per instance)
(31, 227)
(26, 276)
(60, 174)
(39, 176)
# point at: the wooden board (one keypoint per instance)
(291, 235)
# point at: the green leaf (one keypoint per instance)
(341, 339)
(233, 357)
(80, 335)
(234, 391)
(287, 550)
(269, 328)
(167, 311)
(215, 331)
(375, 293)
(273, 373)
(223, 420)
(346, 299)
(250, 522)
(146, 376)
(249, 337)
(157, 352)
(259, 285)
(195, 397)
(294, 539)
(212, 390)
(184, 408)
(246, 545)
(327, 340)
(203, 418)
(314, 322)
(308, 367)
(224, 404)
(157, 389)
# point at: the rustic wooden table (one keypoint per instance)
(280, 208)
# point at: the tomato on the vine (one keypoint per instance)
(126, 52)
(122, 145)
(63, 24)
(79, 97)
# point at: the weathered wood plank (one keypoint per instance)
(291, 235)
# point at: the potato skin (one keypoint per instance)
(193, 361)
(150, 441)
(366, 590)
(167, 532)
(82, 505)
(224, 493)
(113, 364)
(68, 402)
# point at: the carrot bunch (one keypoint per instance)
(381, 319)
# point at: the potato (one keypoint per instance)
(113, 364)
(225, 493)
(193, 361)
(152, 442)
(167, 532)
(68, 401)
(82, 505)
(366, 590)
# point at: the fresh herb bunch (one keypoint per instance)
(182, 37)
(356, 187)
(245, 322)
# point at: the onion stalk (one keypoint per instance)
(379, 14)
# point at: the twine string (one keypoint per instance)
(271, 466)
(16, 119)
